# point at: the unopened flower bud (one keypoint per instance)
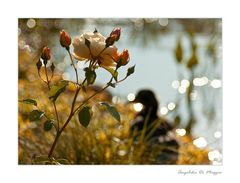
(39, 64)
(109, 41)
(123, 58)
(65, 39)
(46, 54)
(52, 67)
(116, 34)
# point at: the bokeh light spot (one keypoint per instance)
(181, 89)
(164, 110)
(175, 84)
(185, 83)
(137, 107)
(163, 21)
(216, 83)
(214, 155)
(171, 106)
(131, 97)
(181, 131)
(31, 23)
(200, 142)
(217, 134)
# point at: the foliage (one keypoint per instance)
(96, 58)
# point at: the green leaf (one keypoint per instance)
(130, 70)
(29, 101)
(113, 72)
(90, 75)
(84, 116)
(112, 110)
(48, 125)
(57, 89)
(36, 115)
(112, 85)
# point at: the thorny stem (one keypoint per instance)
(85, 101)
(55, 109)
(54, 104)
(67, 121)
(41, 76)
(121, 80)
(59, 132)
(48, 82)
(73, 112)
(72, 63)
(104, 88)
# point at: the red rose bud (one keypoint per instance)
(116, 34)
(65, 39)
(123, 58)
(46, 54)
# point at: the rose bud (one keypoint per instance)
(116, 34)
(46, 54)
(65, 39)
(109, 41)
(39, 64)
(123, 58)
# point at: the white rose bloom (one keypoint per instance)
(97, 44)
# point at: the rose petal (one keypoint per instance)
(80, 49)
(96, 47)
(107, 61)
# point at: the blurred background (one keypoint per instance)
(179, 59)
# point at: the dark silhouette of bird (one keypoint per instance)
(156, 129)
